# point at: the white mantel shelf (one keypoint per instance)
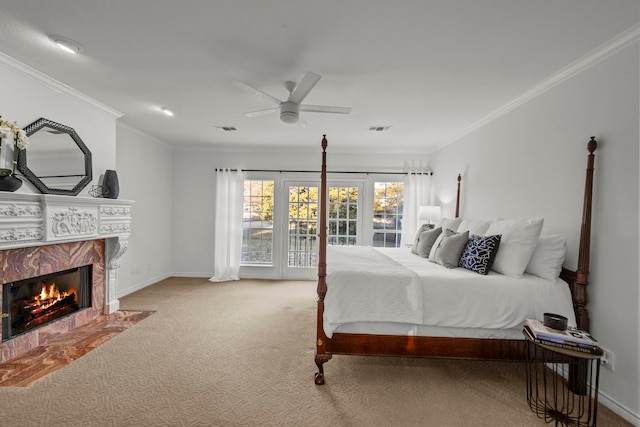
(42, 219)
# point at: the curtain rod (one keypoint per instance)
(304, 171)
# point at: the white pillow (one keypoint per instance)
(547, 259)
(478, 227)
(449, 223)
(519, 240)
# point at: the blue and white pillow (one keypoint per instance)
(479, 253)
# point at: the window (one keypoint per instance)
(257, 223)
(343, 216)
(388, 201)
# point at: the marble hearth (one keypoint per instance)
(41, 234)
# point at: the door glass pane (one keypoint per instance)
(343, 216)
(388, 202)
(303, 219)
(257, 223)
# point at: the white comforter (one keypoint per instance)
(367, 284)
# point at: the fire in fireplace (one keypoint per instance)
(31, 303)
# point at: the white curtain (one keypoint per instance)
(417, 192)
(228, 225)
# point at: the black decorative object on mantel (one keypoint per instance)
(110, 185)
(10, 183)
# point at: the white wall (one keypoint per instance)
(532, 161)
(145, 173)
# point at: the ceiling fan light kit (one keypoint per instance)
(290, 109)
(289, 112)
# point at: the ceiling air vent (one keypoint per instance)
(379, 128)
(227, 128)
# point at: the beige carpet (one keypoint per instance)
(241, 354)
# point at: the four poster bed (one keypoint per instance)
(391, 302)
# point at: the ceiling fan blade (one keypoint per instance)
(325, 109)
(262, 112)
(304, 87)
(247, 86)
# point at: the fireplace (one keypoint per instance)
(31, 303)
(33, 244)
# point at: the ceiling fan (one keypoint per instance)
(291, 108)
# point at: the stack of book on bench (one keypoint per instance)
(572, 339)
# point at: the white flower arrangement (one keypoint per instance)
(12, 132)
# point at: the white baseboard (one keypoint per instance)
(192, 274)
(607, 401)
(619, 409)
(142, 285)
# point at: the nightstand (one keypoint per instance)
(562, 385)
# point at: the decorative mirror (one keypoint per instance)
(56, 161)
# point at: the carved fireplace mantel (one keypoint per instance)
(43, 219)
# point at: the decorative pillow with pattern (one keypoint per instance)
(479, 253)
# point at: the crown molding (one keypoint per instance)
(12, 64)
(592, 58)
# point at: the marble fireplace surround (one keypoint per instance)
(42, 234)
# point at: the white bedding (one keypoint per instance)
(392, 291)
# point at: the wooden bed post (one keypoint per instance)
(321, 356)
(578, 372)
(582, 273)
(458, 197)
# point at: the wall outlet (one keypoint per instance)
(607, 358)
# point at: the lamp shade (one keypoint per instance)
(429, 213)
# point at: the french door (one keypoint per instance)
(300, 257)
(302, 211)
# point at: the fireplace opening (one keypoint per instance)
(34, 302)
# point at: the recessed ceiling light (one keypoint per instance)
(66, 44)
(167, 111)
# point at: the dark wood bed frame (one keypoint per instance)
(444, 347)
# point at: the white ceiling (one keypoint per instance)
(430, 69)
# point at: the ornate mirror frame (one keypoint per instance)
(34, 179)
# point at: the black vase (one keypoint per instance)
(110, 186)
(10, 183)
